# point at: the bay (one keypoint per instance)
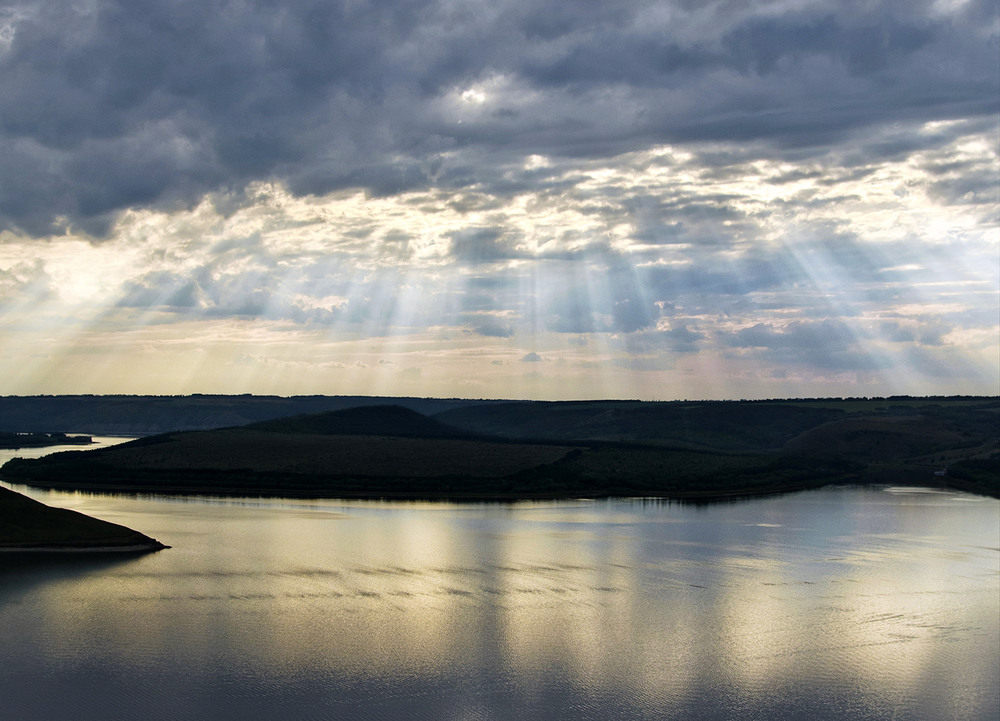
(843, 602)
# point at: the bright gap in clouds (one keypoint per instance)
(656, 274)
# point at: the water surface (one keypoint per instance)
(838, 603)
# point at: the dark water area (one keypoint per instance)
(860, 603)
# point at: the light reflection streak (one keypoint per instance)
(655, 603)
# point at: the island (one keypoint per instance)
(27, 525)
(695, 451)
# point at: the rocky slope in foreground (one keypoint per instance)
(27, 525)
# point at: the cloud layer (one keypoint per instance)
(112, 105)
(504, 198)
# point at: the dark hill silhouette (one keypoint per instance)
(147, 415)
(26, 524)
(385, 420)
(566, 449)
(714, 425)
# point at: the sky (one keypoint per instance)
(545, 199)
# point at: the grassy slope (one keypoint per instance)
(26, 523)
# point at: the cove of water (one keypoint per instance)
(860, 603)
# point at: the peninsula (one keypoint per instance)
(27, 525)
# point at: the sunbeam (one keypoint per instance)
(649, 277)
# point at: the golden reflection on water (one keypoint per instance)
(891, 606)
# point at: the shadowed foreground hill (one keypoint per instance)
(697, 450)
(27, 525)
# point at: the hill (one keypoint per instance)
(379, 420)
(710, 425)
(682, 450)
(146, 415)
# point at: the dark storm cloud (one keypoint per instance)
(682, 339)
(115, 104)
(830, 335)
(162, 290)
(491, 327)
(679, 338)
(476, 246)
(827, 344)
(744, 276)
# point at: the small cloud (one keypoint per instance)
(493, 328)
(934, 334)
(896, 332)
(631, 315)
(476, 246)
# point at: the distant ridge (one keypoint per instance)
(383, 420)
(146, 415)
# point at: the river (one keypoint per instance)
(861, 603)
